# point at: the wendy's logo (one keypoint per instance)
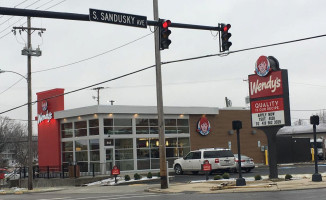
(44, 105)
(203, 126)
(262, 66)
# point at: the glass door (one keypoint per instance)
(109, 159)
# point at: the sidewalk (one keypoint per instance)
(299, 182)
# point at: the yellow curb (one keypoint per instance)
(19, 192)
(3, 192)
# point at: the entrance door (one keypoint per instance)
(109, 159)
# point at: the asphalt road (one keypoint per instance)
(74, 195)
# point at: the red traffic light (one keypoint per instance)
(227, 27)
(166, 24)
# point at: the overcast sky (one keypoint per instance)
(202, 82)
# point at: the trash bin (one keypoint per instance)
(72, 173)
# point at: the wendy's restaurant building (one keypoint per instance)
(96, 138)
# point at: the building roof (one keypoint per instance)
(304, 129)
(123, 109)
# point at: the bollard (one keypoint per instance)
(93, 170)
(48, 171)
(63, 171)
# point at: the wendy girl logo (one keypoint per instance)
(262, 66)
(203, 126)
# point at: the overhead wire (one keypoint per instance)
(24, 17)
(174, 61)
(97, 55)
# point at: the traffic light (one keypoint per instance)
(224, 37)
(164, 33)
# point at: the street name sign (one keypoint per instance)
(117, 18)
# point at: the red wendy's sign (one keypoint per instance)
(206, 166)
(115, 170)
(269, 96)
(266, 86)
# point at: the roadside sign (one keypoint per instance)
(206, 166)
(269, 96)
(269, 112)
(117, 18)
(115, 170)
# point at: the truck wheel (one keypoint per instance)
(178, 170)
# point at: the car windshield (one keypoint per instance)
(218, 154)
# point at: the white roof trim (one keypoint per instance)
(117, 109)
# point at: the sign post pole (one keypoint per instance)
(237, 125)
(206, 167)
(314, 120)
(270, 133)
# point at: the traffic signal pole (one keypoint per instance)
(159, 95)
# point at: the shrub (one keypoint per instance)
(149, 175)
(217, 177)
(226, 175)
(288, 177)
(127, 177)
(258, 177)
(137, 176)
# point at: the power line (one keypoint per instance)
(23, 17)
(169, 62)
(77, 90)
(76, 62)
(97, 55)
(16, 7)
(247, 49)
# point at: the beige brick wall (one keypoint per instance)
(219, 135)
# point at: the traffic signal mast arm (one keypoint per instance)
(84, 17)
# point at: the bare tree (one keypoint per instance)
(13, 139)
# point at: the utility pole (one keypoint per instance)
(160, 113)
(30, 52)
(98, 94)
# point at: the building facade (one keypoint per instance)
(99, 137)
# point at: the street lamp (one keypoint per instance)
(3, 71)
(29, 108)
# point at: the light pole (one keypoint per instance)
(3, 71)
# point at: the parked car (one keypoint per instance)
(220, 159)
(14, 175)
(247, 163)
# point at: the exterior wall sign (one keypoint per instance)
(203, 126)
(44, 116)
(49, 145)
(269, 96)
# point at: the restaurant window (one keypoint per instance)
(142, 126)
(93, 127)
(117, 126)
(80, 128)
(124, 154)
(66, 130)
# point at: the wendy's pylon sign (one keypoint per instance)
(269, 95)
